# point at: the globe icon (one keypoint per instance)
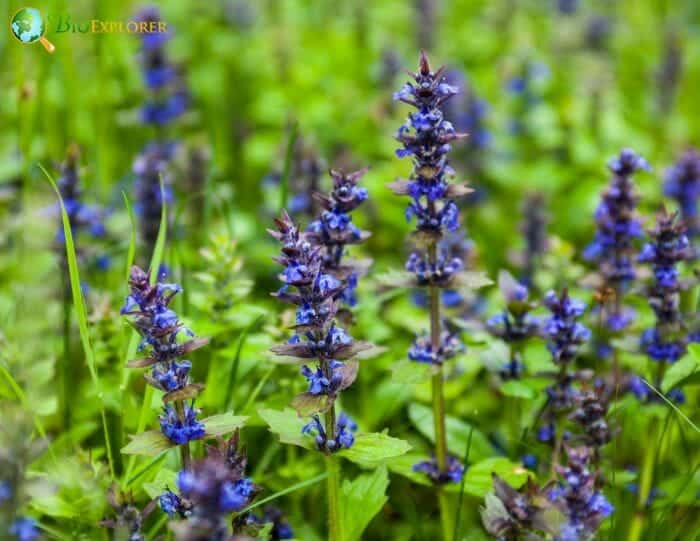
(28, 27)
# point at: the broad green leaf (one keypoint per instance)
(224, 423)
(360, 500)
(150, 443)
(457, 432)
(165, 478)
(478, 480)
(517, 389)
(287, 425)
(469, 280)
(408, 372)
(680, 371)
(373, 448)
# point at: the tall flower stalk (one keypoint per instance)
(426, 137)
(666, 342)
(613, 248)
(167, 341)
(167, 100)
(618, 226)
(309, 285)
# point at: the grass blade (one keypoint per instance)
(293, 488)
(81, 313)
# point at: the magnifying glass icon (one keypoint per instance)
(28, 26)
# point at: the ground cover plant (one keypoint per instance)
(372, 270)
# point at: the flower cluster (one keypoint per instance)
(590, 412)
(334, 230)
(150, 168)
(422, 348)
(342, 437)
(578, 497)
(617, 229)
(669, 246)
(82, 217)
(534, 231)
(169, 97)
(166, 340)
(210, 490)
(682, 183)
(564, 335)
(453, 472)
(426, 137)
(515, 324)
(315, 293)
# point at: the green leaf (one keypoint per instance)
(373, 448)
(478, 480)
(457, 432)
(287, 425)
(165, 478)
(469, 280)
(306, 404)
(149, 443)
(679, 372)
(224, 423)
(517, 389)
(132, 236)
(410, 372)
(360, 500)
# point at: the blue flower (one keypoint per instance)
(344, 438)
(235, 495)
(422, 349)
(25, 529)
(5, 491)
(171, 376)
(181, 431)
(682, 183)
(453, 473)
(618, 227)
(659, 349)
(565, 334)
(426, 136)
(171, 504)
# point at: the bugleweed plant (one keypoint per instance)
(426, 138)
(516, 357)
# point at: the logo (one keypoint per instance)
(28, 26)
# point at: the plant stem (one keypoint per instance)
(335, 532)
(439, 400)
(645, 482)
(437, 380)
(185, 455)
